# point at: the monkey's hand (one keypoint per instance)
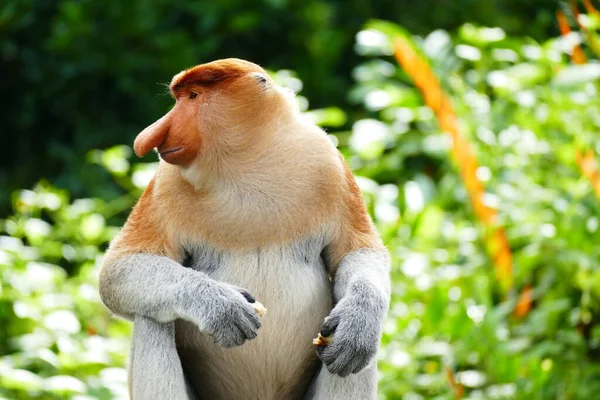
(355, 327)
(228, 313)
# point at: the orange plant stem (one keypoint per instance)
(525, 302)
(577, 55)
(586, 162)
(589, 7)
(457, 387)
(587, 165)
(439, 102)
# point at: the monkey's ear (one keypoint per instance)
(260, 78)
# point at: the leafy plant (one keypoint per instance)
(525, 112)
(530, 118)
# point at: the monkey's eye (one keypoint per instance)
(193, 95)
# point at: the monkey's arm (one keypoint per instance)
(359, 265)
(139, 277)
(361, 293)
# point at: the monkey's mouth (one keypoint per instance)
(164, 153)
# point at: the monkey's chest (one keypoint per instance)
(292, 284)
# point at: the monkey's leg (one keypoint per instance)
(155, 371)
(359, 386)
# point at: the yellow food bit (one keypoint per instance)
(321, 340)
(260, 309)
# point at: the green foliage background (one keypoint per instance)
(81, 78)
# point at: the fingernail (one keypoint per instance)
(249, 297)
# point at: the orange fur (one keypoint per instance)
(144, 234)
(211, 73)
(355, 230)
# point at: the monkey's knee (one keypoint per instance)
(359, 386)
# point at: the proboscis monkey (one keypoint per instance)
(250, 201)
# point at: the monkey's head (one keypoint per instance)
(222, 109)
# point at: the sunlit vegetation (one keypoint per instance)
(477, 152)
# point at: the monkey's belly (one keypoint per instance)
(281, 362)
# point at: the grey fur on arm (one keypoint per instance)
(365, 266)
(157, 287)
(361, 292)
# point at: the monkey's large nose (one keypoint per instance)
(153, 136)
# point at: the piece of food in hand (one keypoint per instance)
(260, 309)
(322, 341)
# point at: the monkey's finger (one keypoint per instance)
(320, 350)
(233, 336)
(249, 321)
(354, 364)
(253, 317)
(344, 372)
(360, 366)
(330, 325)
(247, 328)
(341, 363)
(327, 354)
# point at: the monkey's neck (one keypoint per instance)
(291, 190)
(208, 178)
